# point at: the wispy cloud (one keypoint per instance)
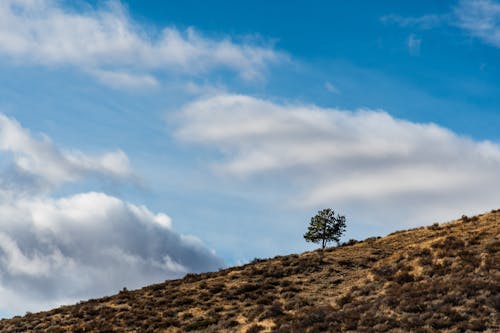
(331, 88)
(364, 160)
(481, 19)
(414, 43)
(124, 79)
(478, 18)
(108, 43)
(423, 22)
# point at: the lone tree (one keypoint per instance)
(325, 227)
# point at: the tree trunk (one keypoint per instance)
(323, 244)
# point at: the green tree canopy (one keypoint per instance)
(325, 227)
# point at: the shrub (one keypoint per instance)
(404, 277)
(350, 242)
(434, 226)
(217, 288)
(199, 323)
(255, 328)
(343, 300)
(247, 287)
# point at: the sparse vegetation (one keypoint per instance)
(442, 278)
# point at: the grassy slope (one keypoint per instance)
(442, 278)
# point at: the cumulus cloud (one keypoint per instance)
(59, 250)
(378, 167)
(55, 251)
(108, 44)
(481, 19)
(46, 163)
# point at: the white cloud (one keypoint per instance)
(107, 43)
(481, 19)
(375, 166)
(413, 43)
(55, 251)
(58, 250)
(44, 161)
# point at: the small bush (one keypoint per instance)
(255, 328)
(434, 226)
(404, 277)
(350, 242)
(217, 288)
(467, 219)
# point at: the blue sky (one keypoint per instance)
(141, 140)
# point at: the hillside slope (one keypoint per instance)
(442, 278)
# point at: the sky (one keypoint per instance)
(143, 140)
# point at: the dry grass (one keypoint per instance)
(442, 278)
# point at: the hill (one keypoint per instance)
(442, 278)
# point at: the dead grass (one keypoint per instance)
(441, 278)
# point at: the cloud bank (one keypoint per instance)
(109, 45)
(364, 161)
(57, 250)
